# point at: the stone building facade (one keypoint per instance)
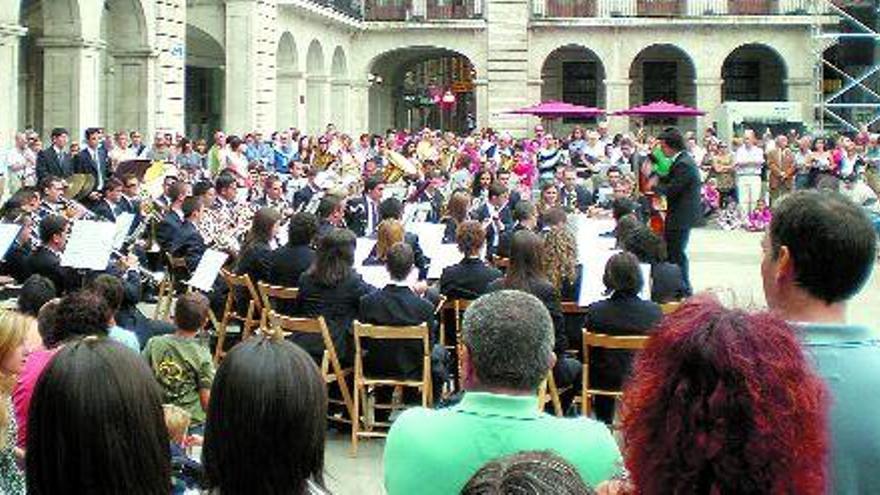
(196, 65)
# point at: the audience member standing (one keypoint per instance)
(749, 160)
(13, 328)
(818, 254)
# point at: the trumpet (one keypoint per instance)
(79, 210)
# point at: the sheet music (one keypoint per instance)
(123, 225)
(362, 249)
(89, 245)
(8, 233)
(587, 233)
(592, 287)
(207, 270)
(430, 235)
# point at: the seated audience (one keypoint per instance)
(526, 273)
(469, 278)
(186, 473)
(96, 424)
(110, 289)
(87, 312)
(667, 284)
(525, 217)
(267, 421)
(535, 473)
(723, 401)
(818, 253)
(332, 289)
(508, 350)
(399, 305)
(36, 291)
(180, 362)
(624, 313)
(288, 263)
(13, 328)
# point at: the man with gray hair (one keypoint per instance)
(508, 351)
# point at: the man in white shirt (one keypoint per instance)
(749, 160)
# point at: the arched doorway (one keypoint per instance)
(754, 72)
(574, 74)
(424, 86)
(288, 77)
(205, 81)
(316, 81)
(125, 66)
(662, 72)
(339, 88)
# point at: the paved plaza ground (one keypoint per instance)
(726, 262)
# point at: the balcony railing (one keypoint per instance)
(348, 7)
(669, 8)
(422, 10)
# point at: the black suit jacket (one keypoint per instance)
(84, 164)
(356, 218)
(682, 190)
(339, 305)
(167, 230)
(103, 210)
(504, 216)
(302, 197)
(667, 283)
(468, 279)
(189, 244)
(550, 297)
(48, 264)
(255, 261)
(620, 314)
(578, 200)
(49, 163)
(395, 306)
(286, 266)
(449, 235)
(504, 242)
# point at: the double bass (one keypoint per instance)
(656, 202)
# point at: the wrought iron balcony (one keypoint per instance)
(422, 10)
(673, 8)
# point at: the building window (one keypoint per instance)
(580, 86)
(660, 82)
(742, 80)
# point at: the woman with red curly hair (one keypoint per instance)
(722, 401)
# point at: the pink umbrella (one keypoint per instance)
(661, 109)
(557, 109)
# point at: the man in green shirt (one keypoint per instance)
(818, 254)
(508, 350)
(182, 365)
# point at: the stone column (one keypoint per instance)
(132, 96)
(287, 99)
(358, 117)
(708, 100)
(317, 96)
(801, 90)
(481, 93)
(617, 98)
(71, 83)
(507, 32)
(10, 39)
(339, 103)
(168, 79)
(250, 65)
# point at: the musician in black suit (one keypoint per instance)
(495, 215)
(303, 196)
(332, 289)
(54, 160)
(624, 313)
(667, 284)
(503, 178)
(525, 217)
(111, 205)
(681, 187)
(574, 197)
(92, 159)
(256, 252)
(46, 260)
(429, 193)
(188, 243)
(289, 262)
(470, 278)
(362, 213)
(393, 208)
(168, 228)
(398, 305)
(331, 214)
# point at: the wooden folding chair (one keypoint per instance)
(267, 294)
(248, 320)
(176, 272)
(331, 369)
(457, 306)
(602, 341)
(670, 307)
(362, 382)
(548, 392)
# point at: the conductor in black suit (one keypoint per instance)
(46, 260)
(398, 305)
(92, 159)
(470, 278)
(681, 187)
(54, 160)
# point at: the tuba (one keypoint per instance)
(398, 167)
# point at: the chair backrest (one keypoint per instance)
(298, 324)
(243, 280)
(386, 332)
(268, 293)
(670, 307)
(176, 263)
(630, 342)
(572, 308)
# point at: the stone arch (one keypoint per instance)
(573, 73)
(339, 89)
(392, 93)
(205, 83)
(754, 72)
(125, 66)
(316, 87)
(287, 80)
(663, 71)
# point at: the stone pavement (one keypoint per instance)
(726, 262)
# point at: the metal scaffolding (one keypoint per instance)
(832, 106)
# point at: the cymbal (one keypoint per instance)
(403, 163)
(75, 184)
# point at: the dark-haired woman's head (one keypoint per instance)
(526, 261)
(302, 230)
(264, 226)
(334, 257)
(267, 420)
(723, 401)
(95, 424)
(623, 274)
